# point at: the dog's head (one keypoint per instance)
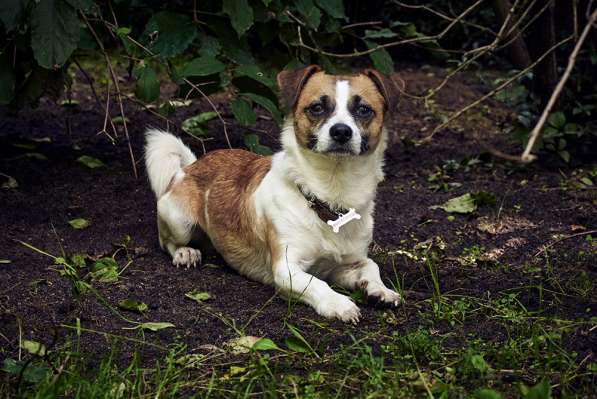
(338, 115)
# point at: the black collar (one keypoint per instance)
(324, 210)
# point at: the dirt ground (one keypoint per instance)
(535, 205)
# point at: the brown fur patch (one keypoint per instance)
(217, 190)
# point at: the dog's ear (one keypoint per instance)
(291, 84)
(387, 86)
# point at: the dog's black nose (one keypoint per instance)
(341, 133)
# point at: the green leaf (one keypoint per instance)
(267, 104)
(243, 112)
(198, 296)
(210, 46)
(557, 120)
(105, 270)
(54, 32)
(34, 347)
(334, 8)
(90, 162)
(565, 155)
(311, 14)
(382, 61)
(172, 33)
(79, 223)
(463, 204)
(31, 373)
(133, 305)
(586, 181)
(197, 125)
(540, 391)
(296, 345)
(254, 72)
(155, 326)
(252, 142)
(240, 13)
(148, 85)
(11, 12)
(487, 394)
(378, 34)
(203, 66)
(479, 363)
(242, 344)
(264, 344)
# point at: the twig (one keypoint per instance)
(534, 135)
(117, 88)
(584, 233)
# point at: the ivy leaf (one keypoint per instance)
(79, 223)
(203, 66)
(133, 305)
(198, 296)
(311, 13)
(334, 8)
(148, 85)
(243, 112)
(382, 61)
(267, 104)
(90, 162)
(240, 13)
(54, 32)
(252, 142)
(174, 33)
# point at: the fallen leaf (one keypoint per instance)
(34, 347)
(198, 296)
(463, 204)
(155, 326)
(90, 162)
(5, 261)
(79, 223)
(132, 305)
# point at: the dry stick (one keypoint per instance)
(492, 92)
(118, 94)
(107, 117)
(526, 155)
(584, 233)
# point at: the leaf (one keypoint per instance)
(90, 162)
(79, 223)
(462, 204)
(197, 125)
(540, 391)
(382, 61)
(105, 270)
(240, 13)
(198, 296)
(34, 347)
(256, 73)
(241, 344)
(31, 373)
(133, 305)
(479, 363)
(264, 344)
(148, 85)
(586, 181)
(203, 66)
(311, 13)
(379, 34)
(296, 345)
(155, 326)
(173, 33)
(267, 104)
(557, 120)
(487, 394)
(483, 198)
(10, 182)
(5, 261)
(334, 8)
(243, 112)
(10, 13)
(252, 142)
(54, 32)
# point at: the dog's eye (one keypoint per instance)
(316, 109)
(363, 112)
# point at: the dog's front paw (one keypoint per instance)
(339, 307)
(186, 256)
(384, 295)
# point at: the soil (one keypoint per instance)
(530, 201)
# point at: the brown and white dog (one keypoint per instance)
(267, 216)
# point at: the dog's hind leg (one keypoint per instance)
(175, 229)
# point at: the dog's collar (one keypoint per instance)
(321, 208)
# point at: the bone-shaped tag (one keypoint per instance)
(343, 219)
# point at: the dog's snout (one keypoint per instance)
(341, 133)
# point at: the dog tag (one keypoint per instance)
(343, 219)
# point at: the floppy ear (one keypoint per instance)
(291, 84)
(387, 86)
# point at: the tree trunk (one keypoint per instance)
(517, 50)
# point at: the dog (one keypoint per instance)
(299, 219)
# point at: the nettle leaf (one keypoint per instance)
(243, 112)
(252, 142)
(197, 125)
(90, 162)
(79, 223)
(148, 85)
(133, 305)
(382, 61)
(267, 104)
(173, 33)
(334, 8)
(54, 32)
(311, 13)
(198, 296)
(203, 66)
(240, 13)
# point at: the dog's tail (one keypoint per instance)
(165, 156)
